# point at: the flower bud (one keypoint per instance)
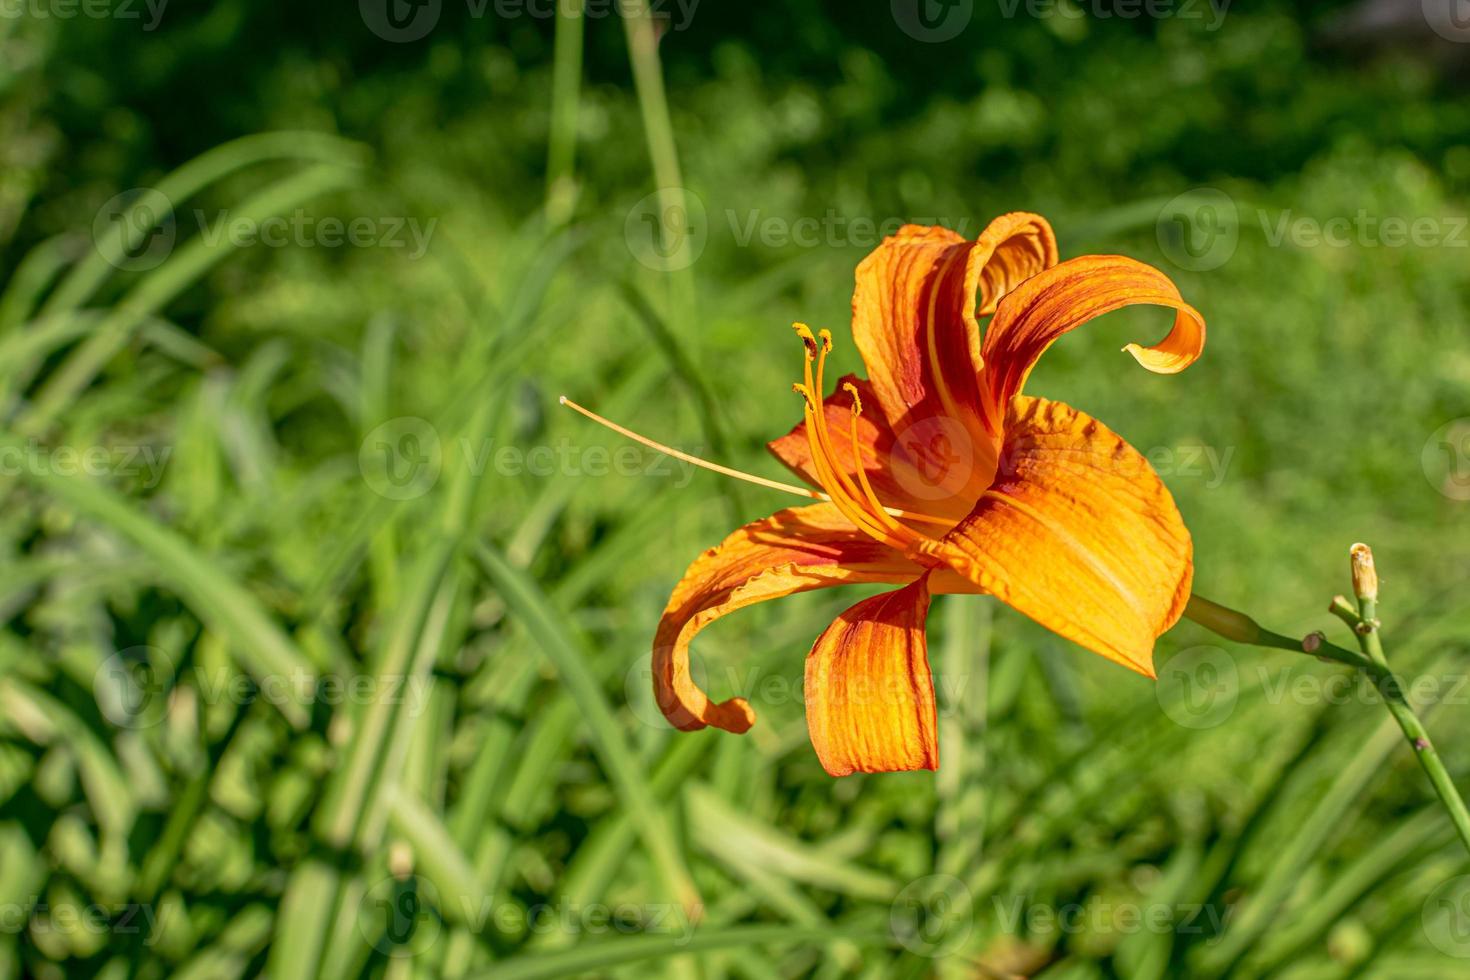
(1365, 576)
(1219, 619)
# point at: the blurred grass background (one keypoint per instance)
(235, 464)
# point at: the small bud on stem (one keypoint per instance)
(1365, 576)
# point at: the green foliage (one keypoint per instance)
(333, 661)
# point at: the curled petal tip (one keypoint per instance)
(735, 716)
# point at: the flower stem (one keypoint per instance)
(1398, 705)
(1241, 628)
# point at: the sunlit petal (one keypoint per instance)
(792, 551)
(869, 694)
(1078, 533)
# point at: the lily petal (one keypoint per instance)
(869, 694)
(914, 310)
(794, 550)
(1032, 316)
(1079, 534)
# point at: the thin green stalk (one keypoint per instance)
(1398, 705)
(653, 105)
(1242, 629)
(566, 86)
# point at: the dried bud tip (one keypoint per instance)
(400, 859)
(1312, 642)
(1365, 576)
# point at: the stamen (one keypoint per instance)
(725, 470)
(857, 505)
(839, 495)
(862, 471)
(823, 443)
(805, 333)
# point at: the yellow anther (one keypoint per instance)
(803, 391)
(805, 333)
(857, 402)
(826, 336)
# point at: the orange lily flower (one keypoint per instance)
(938, 476)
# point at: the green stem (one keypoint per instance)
(1398, 705)
(1241, 628)
(566, 85)
(653, 105)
